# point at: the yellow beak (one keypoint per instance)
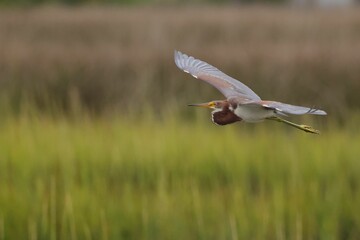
(204, 105)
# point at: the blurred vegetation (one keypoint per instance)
(129, 2)
(121, 59)
(125, 178)
(97, 142)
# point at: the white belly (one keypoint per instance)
(253, 113)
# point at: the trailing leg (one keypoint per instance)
(305, 128)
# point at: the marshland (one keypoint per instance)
(97, 141)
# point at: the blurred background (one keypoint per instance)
(97, 141)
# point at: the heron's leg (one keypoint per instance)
(305, 128)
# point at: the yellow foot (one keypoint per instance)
(309, 129)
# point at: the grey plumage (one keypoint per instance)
(241, 102)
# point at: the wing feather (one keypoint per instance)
(291, 109)
(227, 85)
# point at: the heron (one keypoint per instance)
(241, 103)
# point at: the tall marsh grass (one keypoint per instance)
(123, 178)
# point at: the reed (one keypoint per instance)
(120, 178)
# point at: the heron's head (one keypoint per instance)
(212, 104)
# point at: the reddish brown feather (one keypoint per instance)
(224, 117)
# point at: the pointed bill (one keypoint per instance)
(204, 105)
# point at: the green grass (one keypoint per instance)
(122, 178)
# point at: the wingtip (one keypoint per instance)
(179, 59)
(316, 111)
(320, 112)
(177, 53)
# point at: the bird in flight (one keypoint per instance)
(241, 104)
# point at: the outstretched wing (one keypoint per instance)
(289, 109)
(227, 85)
